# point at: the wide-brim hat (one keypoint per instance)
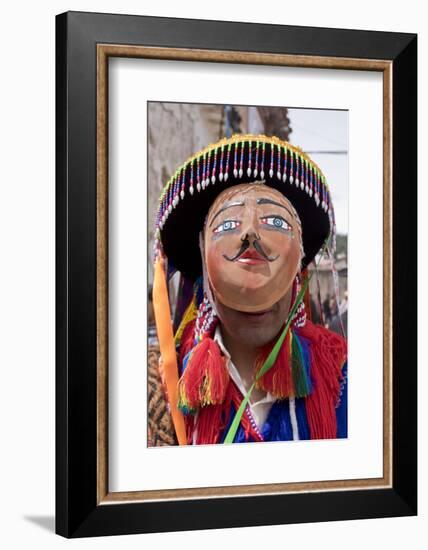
(243, 158)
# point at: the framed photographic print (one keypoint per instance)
(236, 231)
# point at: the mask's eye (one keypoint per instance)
(276, 222)
(227, 225)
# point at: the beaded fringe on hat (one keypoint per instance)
(233, 156)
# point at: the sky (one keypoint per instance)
(326, 131)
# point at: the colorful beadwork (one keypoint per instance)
(284, 175)
(249, 159)
(262, 173)
(241, 163)
(257, 160)
(214, 167)
(191, 188)
(220, 176)
(292, 167)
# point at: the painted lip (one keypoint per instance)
(251, 257)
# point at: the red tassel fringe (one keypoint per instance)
(278, 379)
(205, 378)
(328, 354)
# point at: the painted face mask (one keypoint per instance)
(252, 247)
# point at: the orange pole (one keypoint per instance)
(167, 347)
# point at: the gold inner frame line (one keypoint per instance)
(104, 51)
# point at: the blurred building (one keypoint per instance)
(322, 290)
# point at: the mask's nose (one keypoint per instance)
(250, 230)
(250, 236)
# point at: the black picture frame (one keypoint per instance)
(78, 510)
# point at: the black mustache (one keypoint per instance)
(245, 245)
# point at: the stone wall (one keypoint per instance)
(175, 132)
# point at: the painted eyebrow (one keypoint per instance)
(270, 201)
(229, 205)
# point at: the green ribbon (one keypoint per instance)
(271, 358)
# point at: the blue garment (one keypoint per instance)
(278, 425)
(342, 408)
